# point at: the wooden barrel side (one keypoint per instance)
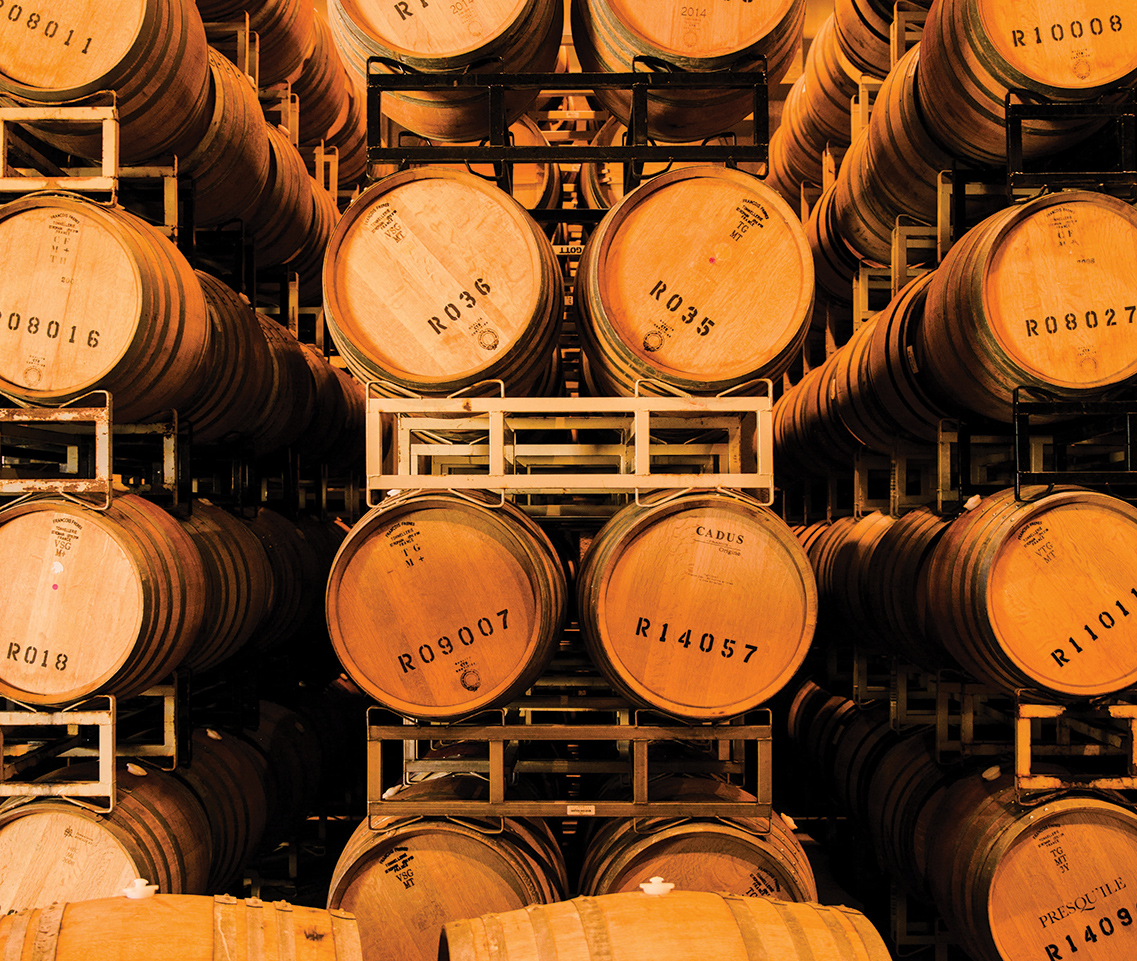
(239, 583)
(335, 434)
(861, 214)
(810, 438)
(118, 309)
(900, 803)
(294, 762)
(281, 220)
(848, 591)
(904, 157)
(405, 878)
(290, 402)
(426, 652)
(128, 576)
(728, 855)
(695, 316)
(1012, 878)
(680, 924)
(230, 163)
(432, 303)
(287, 33)
(985, 331)
(858, 408)
(863, 28)
(1038, 594)
(298, 576)
(58, 851)
(152, 54)
(514, 36)
(607, 36)
(896, 587)
(227, 776)
(349, 136)
(890, 369)
(834, 260)
(831, 81)
(701, 606)
(203, 928)
(240, 368)
(322, 86)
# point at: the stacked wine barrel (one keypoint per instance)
(944, 103)
(1004, 872)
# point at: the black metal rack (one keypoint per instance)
(498, 149)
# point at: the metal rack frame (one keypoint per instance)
(497, 769)
(22, 747)
(500, 454)
(499, 151)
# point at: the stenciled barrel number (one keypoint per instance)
(674, 302)
(34, 657)
(1106, 927)
(705, 643)
(1074, 30)
(51, 330)
(1052, 323)
(465, 635)
(453, 311)
(1107, 620)
(33, 21)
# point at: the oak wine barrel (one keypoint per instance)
(283, 218)
(904, 156)
(240, 368)
(672, 286)
(834, 260)
(493, 36)
(52, 850)
(183, 926)
(404, 878)
(732, 855)
(95, 298)
(809, 435)
(1038, 295)
(890, 373)
(238, 583)
(1033, 881)
(230, 163)
(335, 435)
(97, 601)
(900, 802)
(289, 404)
(863, 31)
(322, 86)
(442, 604)
(292, 769)
(701, 606)
(299, 573)
(609, 35)
(436, 280)
(975, 51)
(1038, 593)
(846, 591)
(349, 135)
(151, 53)
(228, 776)
(896, 587)
(673, 927)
